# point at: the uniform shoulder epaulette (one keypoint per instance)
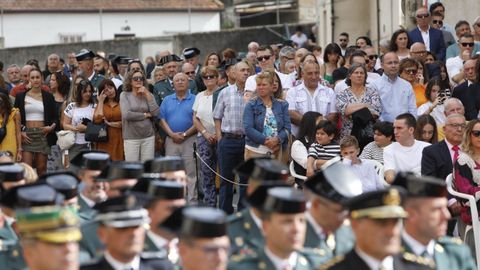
(332, 262)
(313, 251)
(410, 257)
(446, 240)
(92, 262)
(234, 217)
(244, 257)
(154, 254)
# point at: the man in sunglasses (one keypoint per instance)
(437, 23)
(455, 65)
(266, 60)
(432, 38)
(461, 28)
(343, 42)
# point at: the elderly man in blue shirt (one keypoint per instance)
(396, 94)
(176, 119)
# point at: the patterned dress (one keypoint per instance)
(346, 97)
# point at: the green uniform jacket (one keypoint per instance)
(11, 257)
(85, 212)
(344, 241)
(163, 88)
(260, 260)
(450, 254)
(244, 234)
(96, 80)
(90, 245)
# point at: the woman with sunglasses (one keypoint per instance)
(466, 170)
(37, 109)
(76, 116)
(139, 113)
(408, 71)
(12, 142)
(206, 139)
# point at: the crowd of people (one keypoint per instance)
(114, 162)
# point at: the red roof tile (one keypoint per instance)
(108, 5)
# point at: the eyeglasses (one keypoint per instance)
(423, 16)
(467, 44)
(209, 77)
(457, 126)
(420, 52)
(373, 56)
(439, 22)
(138, 78)
(190, 73)
(265, 57)
(476, 133)
(410, 71)
(477, 24)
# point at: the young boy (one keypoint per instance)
(365, 170)
(323, 149)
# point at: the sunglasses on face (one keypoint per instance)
(342, 40)
(265, 57)
(208, 77)
(6, 154)
(423, 16)
(439, 22)
(138, 78)
(373, 56)
(190, 73)
(476, 133)
(467, 44)
(410, 71)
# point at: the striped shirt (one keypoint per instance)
(372, 151)
(229, 109)
(324, 152)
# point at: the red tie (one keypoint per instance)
(455, 149)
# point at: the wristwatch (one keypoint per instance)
(184, 134)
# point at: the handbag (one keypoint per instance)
(96, 132)
(65, 139)
(3, 129)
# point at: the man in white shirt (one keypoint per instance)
(404, 155)
(455, 64)
(310, 95)
(266, 60)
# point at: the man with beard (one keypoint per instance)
(100, 65)
(49, 236)
(426, 226)
(90, 164)
(376, 222)
(85, 68)
(123, 223)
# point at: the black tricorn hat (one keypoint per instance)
(165, 164)
(421, 186)
(170, 58)
(263, 169)
(66, 183)
(335, 182)
(190, 52)
(91, 160)
(11, 172)
(284, 200)
(203, 222)
(30, 195)
(84, 55)
(121, 170)
(123, 211)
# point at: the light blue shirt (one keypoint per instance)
(396, 96)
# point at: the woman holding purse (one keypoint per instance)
(108, 112)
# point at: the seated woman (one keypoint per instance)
(382, 137)
(434, 106)
(426, 129)
(408, 71)
(266, 121)
(466, 172)
(306, 136)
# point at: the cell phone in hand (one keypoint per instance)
(85, 121)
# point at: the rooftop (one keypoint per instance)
(13, 6)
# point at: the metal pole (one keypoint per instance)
(278, 11)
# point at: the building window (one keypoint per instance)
(71, 38)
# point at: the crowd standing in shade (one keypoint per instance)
(287, 159)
